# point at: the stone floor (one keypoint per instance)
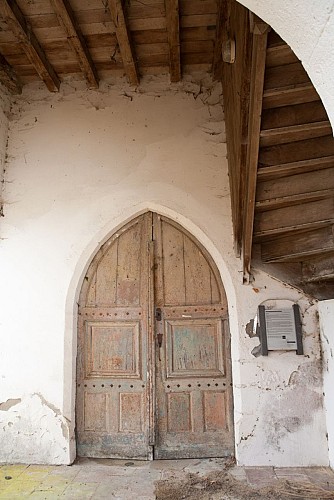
(179, 479)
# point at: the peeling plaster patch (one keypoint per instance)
(286, 411)
(7, 405)
(57, 412)
(309, 374)
(250, 329)
(38, 430)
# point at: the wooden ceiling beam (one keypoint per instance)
(75, 38)
(294, 168)
(293, 133)
(173, 30)
(318, 270)
(297, 247)
(9, 78)
(271, 234)
(259, 49)
(295, 199)
(124, 41)
(14, 18)
(292, 94)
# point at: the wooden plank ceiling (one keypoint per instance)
(50, 40)
(279, 139)
(281, 159)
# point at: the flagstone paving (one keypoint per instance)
(163, 479)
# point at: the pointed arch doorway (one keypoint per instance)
(153, 362)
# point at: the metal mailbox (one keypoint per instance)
(280, 329)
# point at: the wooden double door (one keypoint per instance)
(153, 363)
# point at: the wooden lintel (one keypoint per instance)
(124, 41)
(259, 47)
(294, 168)
(173, 30)
(9, 78)
(295, 199)
(13, 17)
(294, 133)
(75, 38)
(300, 246)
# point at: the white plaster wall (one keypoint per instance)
(326, 313)
(308, 27)
(80, 165)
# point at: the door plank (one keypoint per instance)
(128, 267)
(106, 278)
(197, 275)
(173, 265)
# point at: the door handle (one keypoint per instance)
(159, 337)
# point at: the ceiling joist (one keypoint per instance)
(124, 41)
(294, 133)
(299, 246)
(13, 17)
(76, 40)
(173, 29)
(294, 168)
(9, 78)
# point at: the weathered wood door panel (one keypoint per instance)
(193, 372)
(113, 386)
(146, 385)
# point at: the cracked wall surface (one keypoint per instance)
(82, 163)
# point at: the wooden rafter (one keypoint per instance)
(294, 133)
(124, 40)
(293, 94)
(9, 78)
(14, 18)
(294, 168)
(259, 47)
(173, 29)
(297, 247)
(76, 40)
(295, 199)
(271, 234)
